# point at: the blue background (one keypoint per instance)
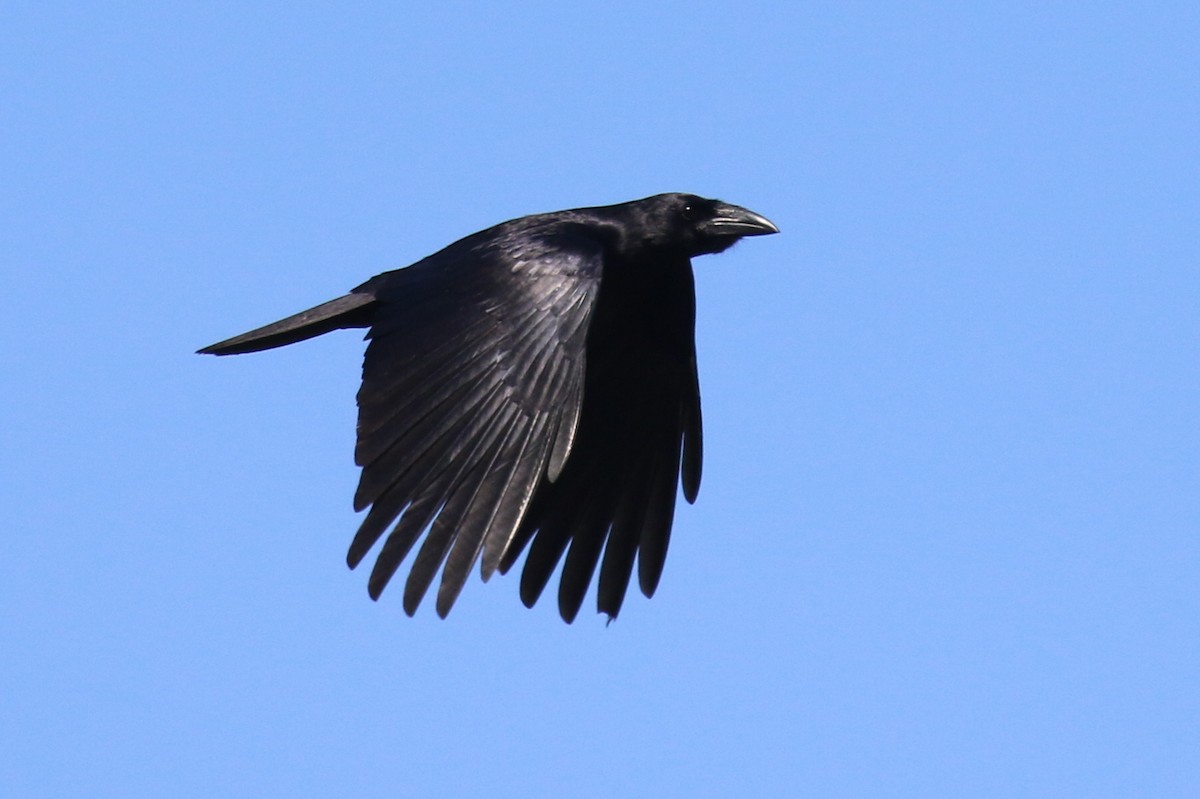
(947, 541)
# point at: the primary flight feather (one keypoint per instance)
(533, 386)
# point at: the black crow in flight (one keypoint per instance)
(533, 382)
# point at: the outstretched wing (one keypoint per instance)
(639, 433)
(471, 394)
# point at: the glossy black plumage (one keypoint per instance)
(533, 385)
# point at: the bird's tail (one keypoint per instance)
(353, 310)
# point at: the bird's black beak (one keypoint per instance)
(733, 220)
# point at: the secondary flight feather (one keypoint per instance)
(531, 386)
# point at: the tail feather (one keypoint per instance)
(352, 310)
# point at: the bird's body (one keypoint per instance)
(533, 384)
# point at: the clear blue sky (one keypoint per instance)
(948, 542)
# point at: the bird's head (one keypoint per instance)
(696, 224)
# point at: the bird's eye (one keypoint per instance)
(691, 213)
